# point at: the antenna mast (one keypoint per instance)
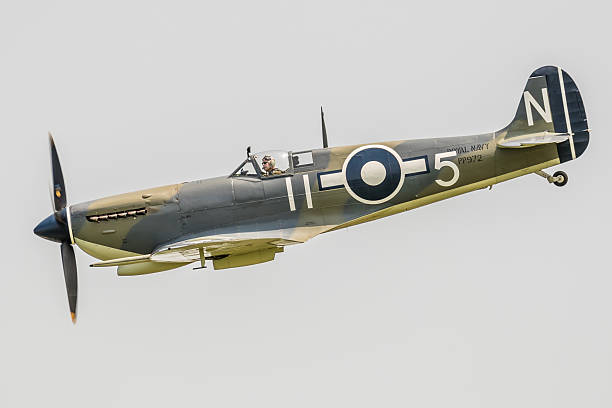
(323, 129)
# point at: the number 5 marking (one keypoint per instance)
(439, 164)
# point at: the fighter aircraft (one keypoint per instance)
(279, 198)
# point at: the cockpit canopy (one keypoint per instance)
(271, 163)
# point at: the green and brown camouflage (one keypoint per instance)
(247, 217)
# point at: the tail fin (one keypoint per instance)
(551, 104)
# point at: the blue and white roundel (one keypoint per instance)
(373, 174)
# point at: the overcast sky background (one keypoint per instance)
(497, 298)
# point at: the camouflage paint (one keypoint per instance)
(261, 217)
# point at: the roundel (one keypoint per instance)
(373, 174)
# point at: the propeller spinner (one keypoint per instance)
(56, 228)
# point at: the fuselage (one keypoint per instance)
(303, 202)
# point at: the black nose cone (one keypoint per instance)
(51, 229)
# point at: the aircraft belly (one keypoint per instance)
(101, 251)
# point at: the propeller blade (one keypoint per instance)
(70, 275)
(58, 188)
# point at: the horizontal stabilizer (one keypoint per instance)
(533, 139)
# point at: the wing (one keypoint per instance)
(225, 251)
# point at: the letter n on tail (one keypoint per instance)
(530, 101)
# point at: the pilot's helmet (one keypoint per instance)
(268, 159)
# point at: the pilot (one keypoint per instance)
(268, 165)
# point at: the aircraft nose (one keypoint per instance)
(51, 229)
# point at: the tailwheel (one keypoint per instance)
(560, 178)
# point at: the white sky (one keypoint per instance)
(497, 298)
